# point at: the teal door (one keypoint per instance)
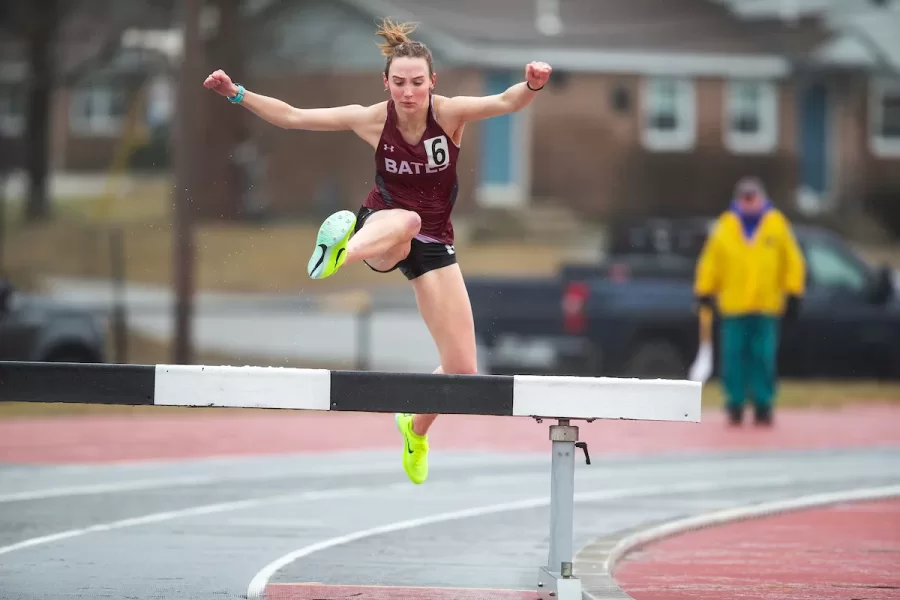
(814, 140)
(496, 141)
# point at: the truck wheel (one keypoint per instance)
(656, 359)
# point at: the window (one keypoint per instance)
(97, 110)
(885, 117)
(12, 109)
(669, 118)
(160, 107)
(751, 114)
(831, 268)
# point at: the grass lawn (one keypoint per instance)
(880, 255)
(229, 257)
(817, 393)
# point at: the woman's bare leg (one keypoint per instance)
(385, 238)
(422, 423)
(445, 307)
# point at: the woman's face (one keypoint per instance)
(409, 83)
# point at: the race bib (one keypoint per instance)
(437, 151)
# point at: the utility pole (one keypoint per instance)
(190, 85)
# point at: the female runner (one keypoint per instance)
(404, 223)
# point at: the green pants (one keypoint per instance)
(749, 351)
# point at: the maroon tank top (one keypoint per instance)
(419, 177)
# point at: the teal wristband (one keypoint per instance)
(236, 99)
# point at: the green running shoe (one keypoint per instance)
(415, 449)
(331, 245)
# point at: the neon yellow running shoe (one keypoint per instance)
(331, 245)
(415, 449)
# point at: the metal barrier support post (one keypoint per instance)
(556, 580)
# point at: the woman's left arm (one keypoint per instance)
(462, 109)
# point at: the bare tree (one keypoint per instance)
(187, 157)
(224, 129)
(35, 24)
(61, 42)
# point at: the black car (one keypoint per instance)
(35, 329)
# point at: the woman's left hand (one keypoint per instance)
(537, 74)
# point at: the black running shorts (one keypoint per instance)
(423, 256)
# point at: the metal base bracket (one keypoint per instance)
(553, 586)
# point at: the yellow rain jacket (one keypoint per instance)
(751, 276)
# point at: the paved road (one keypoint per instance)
(207, 528)
(274, 326)
(278, 326)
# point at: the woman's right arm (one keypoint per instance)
(281, 114)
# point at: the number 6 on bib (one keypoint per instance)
(437, 151)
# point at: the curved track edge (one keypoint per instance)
(594, 564)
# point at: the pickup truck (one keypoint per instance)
(633, 315)
(35, 329)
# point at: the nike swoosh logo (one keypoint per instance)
(321, 258)
(408, 448)
(339, 253)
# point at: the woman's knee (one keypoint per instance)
(410, 223)
(407, 226)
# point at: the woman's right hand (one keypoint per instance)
(219, 82)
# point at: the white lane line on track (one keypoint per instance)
(731, 515)
(152, 483)
(194, 511)
(355, 468)
(221, 507)
(258, 584)
(349, 468)
(110, 488)
(195, 481)
(479, 481)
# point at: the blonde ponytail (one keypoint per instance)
(397, 43)
(394, 35)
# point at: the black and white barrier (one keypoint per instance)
(560, 398)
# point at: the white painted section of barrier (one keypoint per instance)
(249, 387)
(607, 398)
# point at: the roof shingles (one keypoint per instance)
(691, 26)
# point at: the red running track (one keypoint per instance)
(120, 438)
(842, 552)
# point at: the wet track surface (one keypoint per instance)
(843, 551)
(207, 528)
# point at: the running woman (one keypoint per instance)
(404, 223)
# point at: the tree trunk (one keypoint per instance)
(225, 125)
(43, 26)
(186, 160)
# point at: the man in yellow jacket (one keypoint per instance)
(752, 271)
